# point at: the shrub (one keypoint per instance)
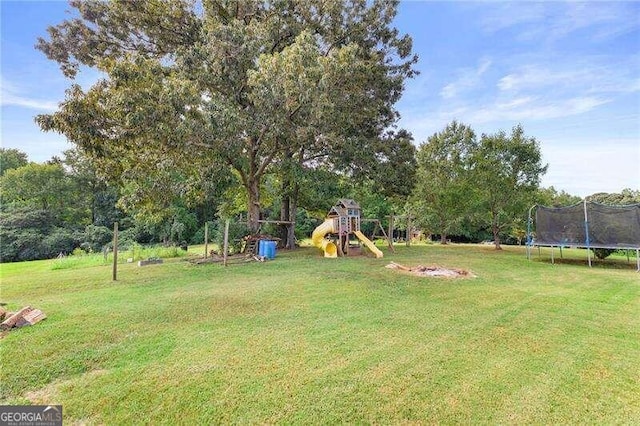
(20, 244)
(60, 240)
(237, 231)
(603, 253)
(198, 237)
(95, 237)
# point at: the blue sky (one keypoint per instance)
(569, 72)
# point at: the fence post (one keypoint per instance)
(226, 241)
(206, 239)
(586, 231)
(115, 251)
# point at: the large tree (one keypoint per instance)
(385, 165)
(90, 192)
(506, 170)
(626, 196)
(554, 198)
(42, 186)
(442, 195)
(247, 84)
(11, 158)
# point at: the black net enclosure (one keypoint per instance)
(560, 226)
(588, 224)
(614, 226)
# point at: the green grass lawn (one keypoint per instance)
(303, 339)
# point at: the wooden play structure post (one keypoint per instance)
(206, 239)
(226, 242)
(390, 233)
(409, 233)
(115, 251)
(378, 225)
(346, 213)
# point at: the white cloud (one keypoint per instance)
(506, 15)
(515, 103)
(552, 21)
(11, 95)
(543, 91)
(9, 99)
(565, 76)
(528, 108)
(467, 79)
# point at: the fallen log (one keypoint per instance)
(3, 313)
(31, 318)
(13, 319)
(150, 261)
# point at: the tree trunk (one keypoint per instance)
(289, 207)
(443, 233)
(288, 211)
(284, 213)
(443, 238)
(293, 211)
(253, 203)
(496, 232)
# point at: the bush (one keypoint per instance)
(20, 244)
(27, 217)
(135, 234)
(95, 237)
(30, 234)
(237, 231)
(60, 240)
(603, 253)
(198, 236)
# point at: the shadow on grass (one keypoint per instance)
(595, 262)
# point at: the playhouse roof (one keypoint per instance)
(347, 203)
(337, 211)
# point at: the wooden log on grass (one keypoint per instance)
(150, 261)
(13, 319)
(3, 313)
(31, 318)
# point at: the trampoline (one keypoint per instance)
(585, 225)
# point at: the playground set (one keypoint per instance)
(343, 221)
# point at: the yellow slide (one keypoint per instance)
(367, 242)
(317, 238)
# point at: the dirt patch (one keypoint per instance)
(431, 271)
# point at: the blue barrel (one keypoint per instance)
(262, 248)
(270, 249)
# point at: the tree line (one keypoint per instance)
(63, 204)
(268, 110)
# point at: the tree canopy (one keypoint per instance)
(507, 169)
(443, 196)
(244, 85)
(11, 158)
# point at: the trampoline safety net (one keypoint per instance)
(607, 226)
